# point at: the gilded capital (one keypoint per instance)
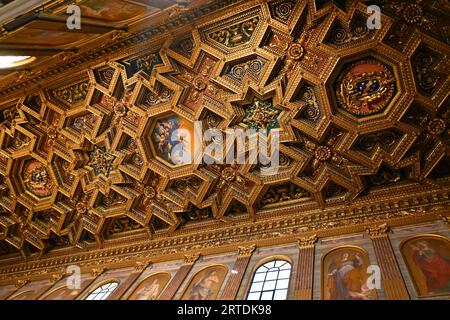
(246, 250)
(191, 258)
(97, 271)
(20, 283)
(56, 277)
(307, 242)
(378, 231)
(141, 265)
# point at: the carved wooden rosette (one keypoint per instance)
(305, 268)
(179, 277)
(237, 274)
(393, 282)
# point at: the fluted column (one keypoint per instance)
(237, 274)
(393, 283)
(139, 267)
(305, 269)
(179, 277)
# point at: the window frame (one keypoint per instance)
(99, 286)
(278, 269)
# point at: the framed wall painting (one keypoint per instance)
(427, 258)
(205, 284)
(151, 287)
(344, 274)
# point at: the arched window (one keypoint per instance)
(102, 292)
(270, 281)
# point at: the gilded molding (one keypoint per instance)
(102, 178)
(276, 230)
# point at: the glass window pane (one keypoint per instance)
(254, 296)
(272, 275)
(96, 291)
(285, 274)
(280, 263)
(269, 285)
(113, 286)
(283, 284)
(99, 296)
(102, 292)
(261, 269)
(256, 287)
(280, 295)
(259, 277)
(287, 266)
(267, 295)
(270, 264)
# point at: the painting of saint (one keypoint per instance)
(345, 275)
(428, 262)
(172, 140)
(205, 285)
(110, 10)
(151, 287)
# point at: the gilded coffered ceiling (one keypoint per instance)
(361, 113)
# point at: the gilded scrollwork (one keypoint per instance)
(86, 157)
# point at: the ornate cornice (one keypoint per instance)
(87, 175)
(262, 233)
